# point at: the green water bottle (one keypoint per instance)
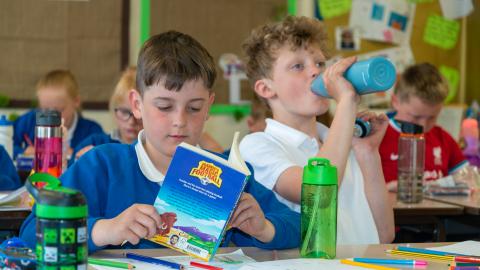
(319, 209)
(61, 224)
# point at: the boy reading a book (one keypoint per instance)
(283, 60)
(175, 75)
(418, 98)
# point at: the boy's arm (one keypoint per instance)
(337, 145)
(368, 157)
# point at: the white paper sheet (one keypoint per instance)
(471, 248)
(227, 261)
(300, 264)
(382, 20)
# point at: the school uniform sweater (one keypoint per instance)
(9, 179)
(93, 140)
(25, 126)
(111, 179)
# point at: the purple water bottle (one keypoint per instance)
(48, 142)
(376, 74)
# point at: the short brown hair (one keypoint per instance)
(60, 78)
(263, 43)
(423, 81)
(126, 82)
(173, 58)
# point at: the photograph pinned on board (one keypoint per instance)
(347, 38)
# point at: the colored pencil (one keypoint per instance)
(464, 268)
(390, 261)
(152, 260)
(420, 255)
(428, 251)
(467, 259)
(111, 263)
(367, 265)
(28, 140)
(205, 266)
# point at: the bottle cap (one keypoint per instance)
(4, 121)
(319, 171)
(410, 128)
(54, 201)
(48, 117)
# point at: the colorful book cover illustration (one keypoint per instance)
(197, 199)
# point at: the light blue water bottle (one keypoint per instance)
(376, 74)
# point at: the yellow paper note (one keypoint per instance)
(332, 8)
(441, 32)
(452, 76)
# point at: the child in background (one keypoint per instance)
(127, 125)
(260, 112)
(283, 60)
(121, 181)
(418, 98)
(9, 179)
(57, 90)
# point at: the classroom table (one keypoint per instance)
(425, 213)
(13, 214)
(471, 203)
(343, 251)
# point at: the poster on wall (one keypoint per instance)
(347, 39)
(383, 20)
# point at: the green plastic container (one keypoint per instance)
(61, 224)
(319, 209)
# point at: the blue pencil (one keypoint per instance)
(151, 260)
(390, 261)
(428, 251)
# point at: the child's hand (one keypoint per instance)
(379, 124)
(136, 222)
(29, 151)
(83, 151)
(392, 186)
(249, 218)
(337, 86)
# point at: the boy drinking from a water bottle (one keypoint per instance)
(283, 60)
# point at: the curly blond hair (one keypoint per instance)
(264, 42)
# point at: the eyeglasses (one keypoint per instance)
(123, 114)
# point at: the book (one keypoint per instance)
(198, 197)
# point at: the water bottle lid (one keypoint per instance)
(4, 121)
(48, 117)
(319, 171)
(54, 201)
(410, 128)
(382, 73)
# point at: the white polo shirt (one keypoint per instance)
(280, 147)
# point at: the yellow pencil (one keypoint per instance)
(367, 265)
(421, 255)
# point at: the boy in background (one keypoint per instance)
(283, 60)
(57, 90)
(418, 98)
(9, 179)
(127, 125)
(175, 75)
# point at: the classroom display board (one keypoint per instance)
(39, 36)
(219, 25)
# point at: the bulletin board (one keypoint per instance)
(422, 51)
(219, 25)
(37, 36)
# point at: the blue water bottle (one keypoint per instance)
(376, 74)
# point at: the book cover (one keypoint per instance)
(197, 198)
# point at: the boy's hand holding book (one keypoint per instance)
(133, 224)
(249, 218)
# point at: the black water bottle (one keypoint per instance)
(61, 224)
